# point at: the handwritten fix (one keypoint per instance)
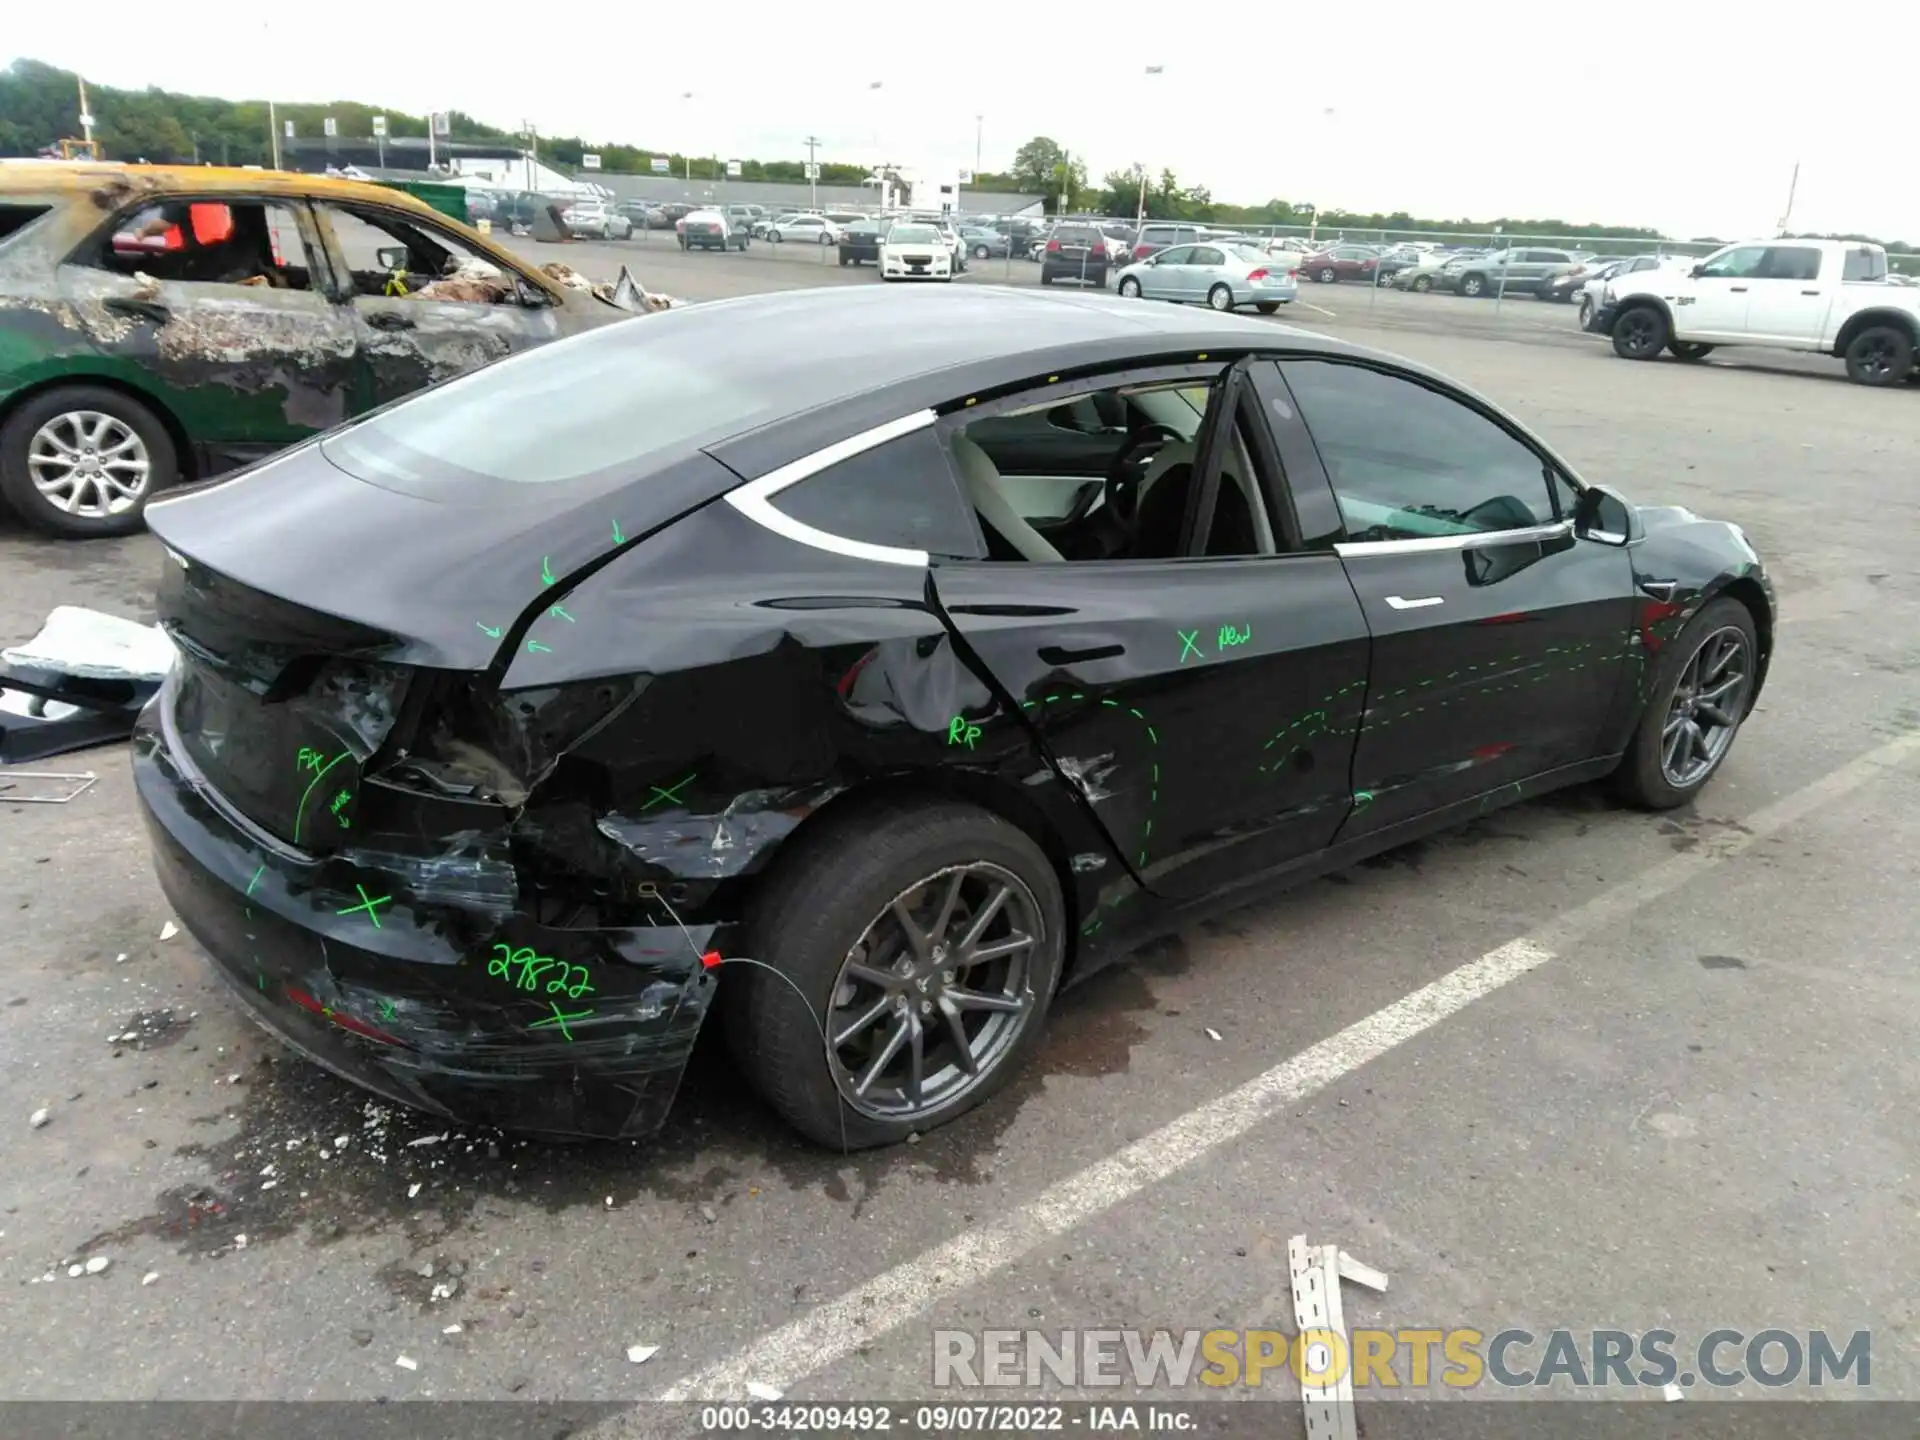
(1230, 637)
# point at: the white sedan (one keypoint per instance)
(817, 228)
(915, 252)
(597, 218)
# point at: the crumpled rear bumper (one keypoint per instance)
(458, 1004)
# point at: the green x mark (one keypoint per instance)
(1189, 645)
(671, 792)
(369, 904)
(558, 1020)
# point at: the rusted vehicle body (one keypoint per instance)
(161, 326)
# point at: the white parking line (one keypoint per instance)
(834, 1330)
(1308, 304)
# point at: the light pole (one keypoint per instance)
(979, 128)
(812, 143)
(1141, 218)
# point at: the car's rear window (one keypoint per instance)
(1076, 235)
(15, 217)
(913, 235)
(588, 413)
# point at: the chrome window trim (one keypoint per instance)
(753, 499)
(1477, 540)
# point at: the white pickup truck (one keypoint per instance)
(1828, 297)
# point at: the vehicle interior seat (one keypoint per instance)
(1161, 507)
(1009, 536)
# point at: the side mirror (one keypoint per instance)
(1604, 516)
(392, 257)
(1697, 271)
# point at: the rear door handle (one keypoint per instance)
(1057, 655)
(1399, 603)
(1738, 289)
(1809, 292)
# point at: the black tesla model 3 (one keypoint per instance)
(854, 668)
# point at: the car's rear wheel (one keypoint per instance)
(980, 252)
(826, 239)
(1702, 687)
(1640, 333)
(1473, 286)
(1880, 355)
(1688, 349)
(912, 953)
(1220, 297)
(1267, 307)
(83, 460)
(1422, 283)
(1327, 275)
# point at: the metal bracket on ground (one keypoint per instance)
(1326, 1354)
(71, 787)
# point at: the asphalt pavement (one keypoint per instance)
(1568, 1067)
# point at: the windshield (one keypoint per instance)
(912, 235)
(1249, 252)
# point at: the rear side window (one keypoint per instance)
(14, 218)
(1864, 265)
(901, 494)
(1793, 262)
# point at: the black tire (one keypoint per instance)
(16, 480)
(1586, 312)
(1327, 275)
(816, 907)
(1220, 298)
(1640, 332)
(1046, 278)
(1880, 355)
(1688, 349)
(1130, 287)
(826, 239)
(980, 252)
(1421, 284)
(1267, 307)
(846, 260)
(1642, 779)
(776, 237)
(1473, 285)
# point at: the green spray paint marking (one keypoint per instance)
(492, 632)
(534, 647)
(340, 802)
(1230, 637)
(558, 1020)
(546, 571)
(1189, 645)
(251, 884)
(1153, 782)
(386, 1009)
(300, 810)
(368, 903)
(669, 793)
(961, 732)
(556, 610)
(618, 538)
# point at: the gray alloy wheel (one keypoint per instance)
(1586, 311)
(1705, 709)
(980, 252)
(1422, 283)
(1473, 286)
(89, 465)
(1130, 287)
(935, 994)
(1220, 297)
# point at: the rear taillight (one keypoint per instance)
(1293, 274)
(1053, 247)
(1259, 274)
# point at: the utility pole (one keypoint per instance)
(86, 115)
(812, 142)
(1792, 185)
(979, 127)
(273, 133)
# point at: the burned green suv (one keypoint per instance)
(161, 326)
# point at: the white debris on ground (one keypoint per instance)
(93, 645)
(169, 930)
(407, 1362)
(640, 1354)
(39, 1118)
(150, 1277)
(1212, 1034)
(757, 1391)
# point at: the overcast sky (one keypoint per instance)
(1680, 120)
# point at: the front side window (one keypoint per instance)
(387, 253)
(1177, 255)
(1411, 463)
(1743, 263)
(217, 242)
(900, 494)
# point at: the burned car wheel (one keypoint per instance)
(83, 460)
(925, 941)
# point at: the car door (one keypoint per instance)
(1166, 274)
(1206, 267)
(1500, 639)
(224, 307)
(1788, 301)
(1203, 703)
(412, 330)
(1720, 294)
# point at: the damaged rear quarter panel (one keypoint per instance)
(775, 680)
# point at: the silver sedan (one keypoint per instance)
(1223, 276)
